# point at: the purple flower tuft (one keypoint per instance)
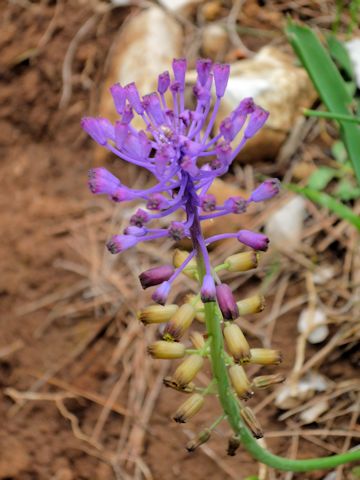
(257, 241)
(133, 96)
(235, 205)
(101, 181)
(208, 290)
(119, 243)
(157, 202)
(176, 231)
(155, 276)
(119, 95)
(257, 120)
(179, 69)
(163, 82)
(161, 293)
(92, 127)
(266, 190)
(226, 302)
(208, 202)
(135, 231)
(203, 68)
(221, 77)
(139, 218)
(183, 155)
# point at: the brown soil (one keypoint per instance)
(44, 198)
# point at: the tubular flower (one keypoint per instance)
(175, 146)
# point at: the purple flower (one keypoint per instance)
(161, 293)
(119, 243)
(266, 190)
(257, 241)
(208, 290)
(226, 302)
(177, 231)
(102, 181)
(155, 276)
(178, 150)
(208, 202)
(235, 205)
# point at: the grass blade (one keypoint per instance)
(327, 201)
(329, 84)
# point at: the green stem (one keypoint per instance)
(331, 115)
(230, 404)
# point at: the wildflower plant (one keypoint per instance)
(177, 148)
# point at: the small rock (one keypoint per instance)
(182, 7)
(323, 274)
(283, 89)
(312, 413)
(353, 48)
(145, 48)
(313, 324)
(290, 395)
(285, 226)
(215, 41)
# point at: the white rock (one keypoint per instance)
(145, 48)
(290, 395)
(313, 324)
(184, 7)
(353, 47)
(312, 413)
(215, 41)
(285, 226)
(278, 86)
(323, 274)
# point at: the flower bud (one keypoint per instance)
(226, 302)
(157, 313)
(235, 205)
(266, 190)
(102, 181)
(119, 243)
(166, 350)
(208, 202)
(202, 438)
(265, 356)
(161, 293)
(203, 68)
(236, 342)
(251, 421)
(179, 258)
(163, 82)
(188, 370)
(257, 120)
(233, 444)
(257, 241)
(155, 276)
(240, 382)
(139, 218)
(189, 408)
(221, 77)
(180, 322)
(208, 291)
(265, 381)
(197, 340)
(169, 382)
(254, 304)
(242, 262)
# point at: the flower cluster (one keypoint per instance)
(175, 146)
(182, 153)
(175, 321)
